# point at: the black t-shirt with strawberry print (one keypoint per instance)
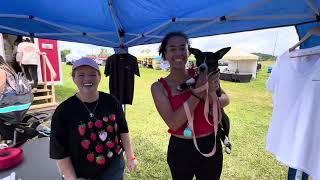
(90, 142)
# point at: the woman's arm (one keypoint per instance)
(173, 119)
(224, 99)
(66, 169)
(131, 159)
(3, 78)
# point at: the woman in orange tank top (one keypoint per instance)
(184, 160)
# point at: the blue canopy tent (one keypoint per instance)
(124, 23)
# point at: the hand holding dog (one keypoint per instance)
(214, 85)
(201, 81)
(214, 82)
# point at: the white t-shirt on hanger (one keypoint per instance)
(294, 133)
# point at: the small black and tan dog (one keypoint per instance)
(208, 62)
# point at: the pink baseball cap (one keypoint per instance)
(85, 62)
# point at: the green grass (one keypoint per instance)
(249, 111)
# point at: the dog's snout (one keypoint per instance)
(203, 68)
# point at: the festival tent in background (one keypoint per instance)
(241, 62)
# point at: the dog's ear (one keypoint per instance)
(222, 52)
(194, 51)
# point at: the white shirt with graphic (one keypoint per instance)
(30, 53)
(294, 133)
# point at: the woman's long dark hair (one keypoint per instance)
(5, 66)
(165, 40)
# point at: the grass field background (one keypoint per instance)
(250, 113)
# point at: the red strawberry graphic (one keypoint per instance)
(112, 117)
(93, 136)
(90, 157)
(90, 124)
(82, 129)
(101, 160)
(110, 144)
(98, 124)
(118, 150)
(109, 128)
(110, 154)
(99, 148)
(85, 143)
(105, 119)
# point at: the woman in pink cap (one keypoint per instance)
(89, 131)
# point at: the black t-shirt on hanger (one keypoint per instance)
(121, 68)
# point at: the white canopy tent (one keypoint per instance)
(241, 62)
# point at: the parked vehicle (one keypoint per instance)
(70, 58)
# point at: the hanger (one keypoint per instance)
(122, 49)
(311, 32)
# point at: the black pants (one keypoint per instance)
(185, 161)
(31, 73)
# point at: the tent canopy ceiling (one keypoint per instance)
(124, 23)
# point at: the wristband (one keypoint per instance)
(132, 158)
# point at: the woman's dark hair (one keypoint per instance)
(5, 65)
(2, 61)
(165, 40)
(18, 40)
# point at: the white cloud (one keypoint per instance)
(269, 41)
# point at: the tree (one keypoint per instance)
(63, 53)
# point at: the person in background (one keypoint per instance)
(28, 58)
(89, 130)
(15, 64)
(184, 160)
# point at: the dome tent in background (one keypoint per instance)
(241, 62)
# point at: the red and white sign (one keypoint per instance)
(50, 47)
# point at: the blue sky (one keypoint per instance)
(269, 41)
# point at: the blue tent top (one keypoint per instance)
(124, 23)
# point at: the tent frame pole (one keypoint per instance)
(225, 18)
(48, 23)
(75, 33)
(313, 6)
(165, 24)
(301, 16)
(116, 23)
(14, 30)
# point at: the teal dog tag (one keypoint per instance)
(187, 132)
